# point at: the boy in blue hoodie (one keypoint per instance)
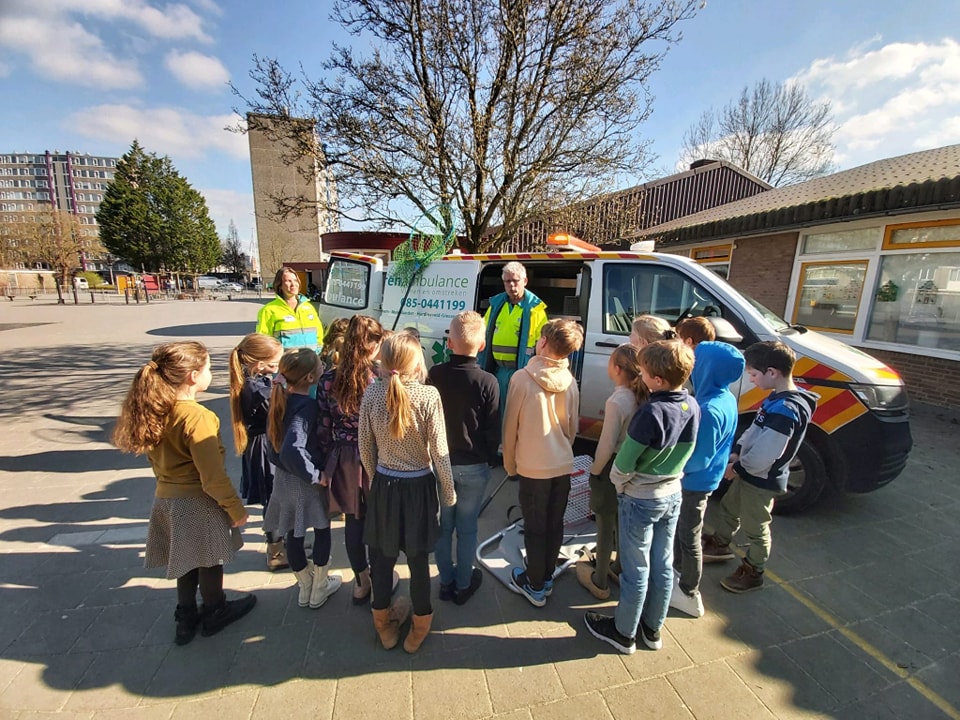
(760, 464)
(716, 366)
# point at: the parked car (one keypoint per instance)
(227, 286)
(81, 283)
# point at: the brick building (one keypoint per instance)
(870, 255)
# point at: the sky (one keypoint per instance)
(92, 75)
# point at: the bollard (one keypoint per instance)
(93, 300)
(126, 295)
(146, 295)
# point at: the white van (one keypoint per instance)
(859, 437)
(207, 282)
(81, 283)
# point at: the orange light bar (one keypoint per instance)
(571, 242)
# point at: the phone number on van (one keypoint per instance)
(435, 304)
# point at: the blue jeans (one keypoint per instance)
(470, 482)
(647, 528)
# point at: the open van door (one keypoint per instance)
(354, 286)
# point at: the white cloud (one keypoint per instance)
(227, 205)
(60, 41)
(67, 52)
(163, 130)
(890, 100)
(196, 70)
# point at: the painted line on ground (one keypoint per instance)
(913, 681)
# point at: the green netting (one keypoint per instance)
(431, 237)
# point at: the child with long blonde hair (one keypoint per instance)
(339, 394)
(401, 448)
(196, 511)
(628, 395)
(252, 364)
(648, 329)
(298, 501)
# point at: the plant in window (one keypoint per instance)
(888, 292)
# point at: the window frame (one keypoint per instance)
(798, 288)
(889, 230)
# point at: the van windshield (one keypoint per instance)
(777, 322)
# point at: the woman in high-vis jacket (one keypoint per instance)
(290, 317)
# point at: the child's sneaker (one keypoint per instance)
(448, 591)
(744, 579)
(603, 627)
(651, 638)
(519, 580)
(688, 603)
(713, 550)
(548, 587)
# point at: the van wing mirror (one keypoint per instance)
(725, 331)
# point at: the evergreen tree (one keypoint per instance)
(154, 218)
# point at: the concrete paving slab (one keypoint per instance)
(778, 650)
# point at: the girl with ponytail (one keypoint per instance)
(196, 512)
(403, 447)
(252, 365)
(298, 501)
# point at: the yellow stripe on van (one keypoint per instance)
(843, 417)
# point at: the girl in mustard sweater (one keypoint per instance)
(196, 512)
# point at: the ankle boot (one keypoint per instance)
(324, 585)
(217, 618)
(188, 618)
(276, 556)
(305, 579)
(362, 587)
(388, 622)
(419, 629)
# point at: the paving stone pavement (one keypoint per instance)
(860, 619)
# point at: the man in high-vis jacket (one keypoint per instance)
(514, 321)
(290, 317)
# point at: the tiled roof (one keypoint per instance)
(927, 179)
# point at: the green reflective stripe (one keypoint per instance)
(507, 349)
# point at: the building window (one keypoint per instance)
(829, 295)
(917, 301)
(935, 233)
(841, 241)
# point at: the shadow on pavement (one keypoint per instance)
(237, 329)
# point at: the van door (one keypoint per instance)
(354, 286)
(621, 290)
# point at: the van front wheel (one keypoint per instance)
(808, 478)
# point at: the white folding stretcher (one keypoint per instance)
(505, 550)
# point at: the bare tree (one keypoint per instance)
(231, 252)
(53, 238)
(777, 132)
(502, 110)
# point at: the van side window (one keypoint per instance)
(631, 289)
(348, 284)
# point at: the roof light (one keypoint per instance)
(571, 243)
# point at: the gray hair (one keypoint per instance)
(514, 268)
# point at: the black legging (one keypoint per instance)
(296, 555)
(353, 539)
(210, 582)
(381, 575)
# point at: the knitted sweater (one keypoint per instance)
(188, 461)
(423, 446)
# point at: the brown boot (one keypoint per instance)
(419, 629)
(362, 587)
(744, 579)
(713, 550)
(389, 620)
(276, 556)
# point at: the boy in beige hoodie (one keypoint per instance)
(543, 405)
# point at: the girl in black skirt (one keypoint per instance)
(252, 365)
(403, 448)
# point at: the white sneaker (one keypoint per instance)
(691, 605)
